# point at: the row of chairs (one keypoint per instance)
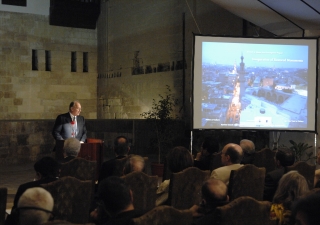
(78, 179)
(185, 186)
(242, 211)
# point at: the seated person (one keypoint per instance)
(134, 163)
(203, 158)
(47, 170)
(317, 172)
(305, 211)
(248, 149)
(231, 156)
(71, 149)
(178, 159)
(214, 194)
(121, 149)
(284, 157)
(292, 186)
(116, 203)
(35, 206)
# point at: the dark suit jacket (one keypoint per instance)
(62, 128)
(67, 159)
(107, 168)
(271, 183)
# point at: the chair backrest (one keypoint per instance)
(215, 161)
(248, 180)
(79, 168)
(72, 199)
(144, 189)
(243, 211)
(3, 204)
(265, 158)
(306, 170)
(164, 214)
(63, 222)
(185, 187)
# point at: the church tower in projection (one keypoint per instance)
(242, 79)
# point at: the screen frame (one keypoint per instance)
(195, 105)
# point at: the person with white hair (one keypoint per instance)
(71, 149)
(248, 149)
(35, 206)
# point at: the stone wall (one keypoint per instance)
(141, 51)
(40, 94)
(28, 140)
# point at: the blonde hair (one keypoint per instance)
(291, 186)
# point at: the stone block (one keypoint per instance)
(17, 101)
(9, 94)
(114, 101)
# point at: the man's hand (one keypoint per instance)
(194, 210)
(198, 157)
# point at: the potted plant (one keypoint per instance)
(167, 127)
(300, 150)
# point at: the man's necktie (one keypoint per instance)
(75, 126)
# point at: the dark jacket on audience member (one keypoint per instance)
(124, 218)
(107, 168)
(204, 163)
(208, 217)
(271, 183)
(67, 159)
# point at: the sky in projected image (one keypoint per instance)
(254, 85)
(256, 55)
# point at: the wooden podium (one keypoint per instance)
(92, 150)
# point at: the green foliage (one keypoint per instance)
(300, 150)
(163, 123)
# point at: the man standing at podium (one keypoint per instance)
(70, 124)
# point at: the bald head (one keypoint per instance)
(214, 191)
(247, 146)
(232, 154)
(121, 146)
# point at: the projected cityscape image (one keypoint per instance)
(269, 92)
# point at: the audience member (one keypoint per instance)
(71, 149)
(134, 163)
(47, 170)
(203, 158)
(214, 194)
(231, 156)
(305, 211)
(121, 149)
(35, 206)
(178, 159)
(248, 149)
(317, 172)
(284, 157)
(292, 185)
(116, 200)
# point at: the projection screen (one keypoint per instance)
(255, 83)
